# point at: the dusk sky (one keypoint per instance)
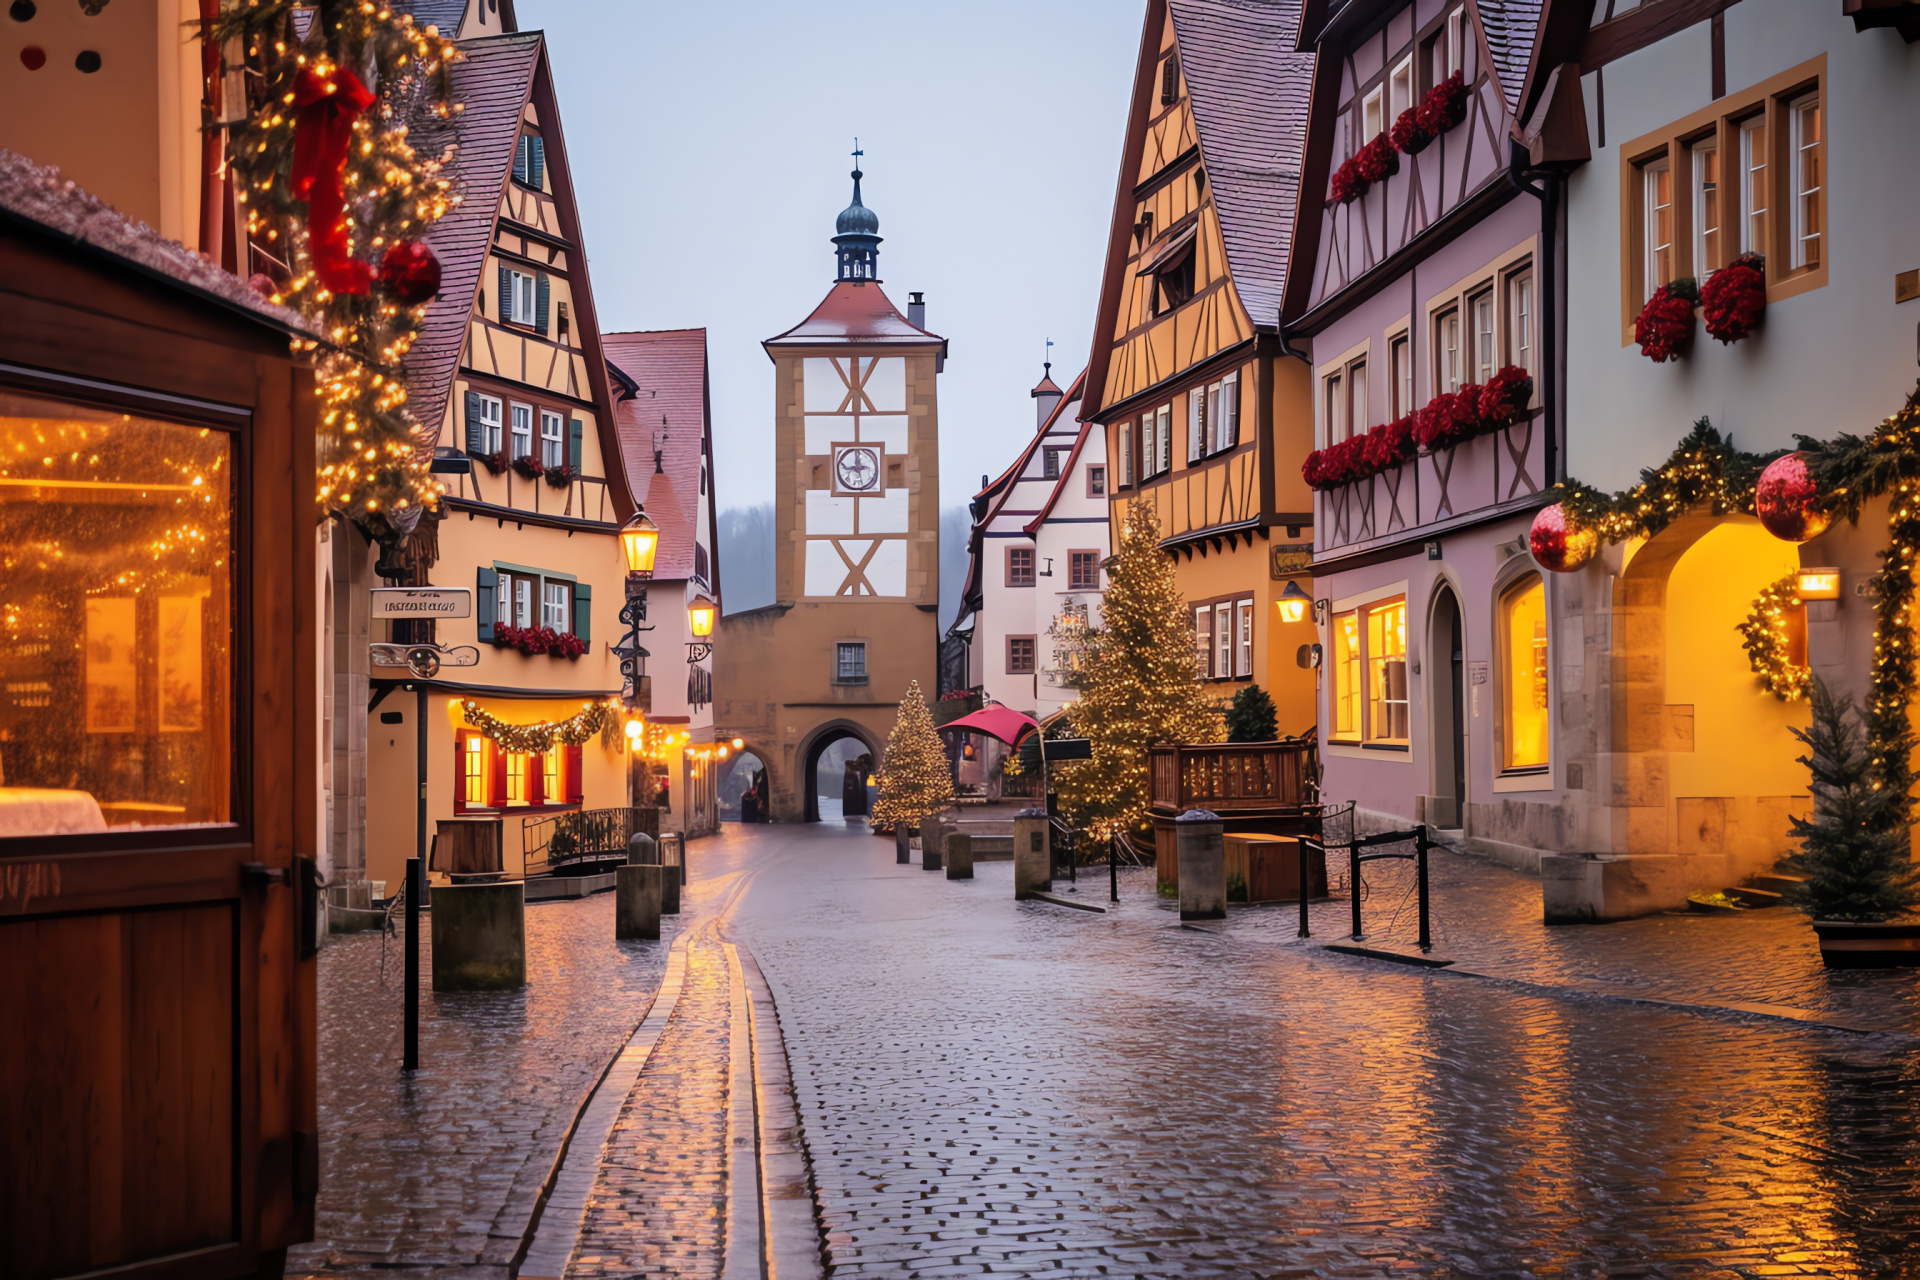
(710, 146)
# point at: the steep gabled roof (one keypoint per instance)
(668, 368)
(37, 195)
(854, 311)
(1510, 31)
(493, 85)
(1004, 483)
(1249, 93)
(1073, 457)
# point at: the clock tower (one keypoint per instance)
(856, 544)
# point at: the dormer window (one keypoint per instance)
(1173, 284)
(530, 161)
(1170, 80)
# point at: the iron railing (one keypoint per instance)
(564, 841)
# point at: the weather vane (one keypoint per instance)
(1049, 359)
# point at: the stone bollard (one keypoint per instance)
(1202, 866)
(1032, 854)
(933, 841)
(479, 937)
(636, 907)
(959, 856)
(902, 844)
(643, 850)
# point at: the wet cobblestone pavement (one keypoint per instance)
(439, 1174)
(1018, 1089)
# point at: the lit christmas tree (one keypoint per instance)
(1854, 850)
(1137, 685)
(916, 780)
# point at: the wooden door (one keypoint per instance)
(158, 786)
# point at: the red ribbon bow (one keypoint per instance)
(324, 109)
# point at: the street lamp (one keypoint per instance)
(639, 541)
(1293, 603)
(700, 613)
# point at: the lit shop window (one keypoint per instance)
(1387, 672)
(1523, 674)
(116, 621)
(1346, 676)
(473, 771)
(517, 778)
(551, 789)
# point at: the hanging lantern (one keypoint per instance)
(1293, 603)
(1783, 500)
(639, 540)
(1557, 545)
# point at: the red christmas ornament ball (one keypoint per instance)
(410, 273)
(1557, 545)
(261, 283)
(1783, 500)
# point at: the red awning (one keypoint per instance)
(1003, 723)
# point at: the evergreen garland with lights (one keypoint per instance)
(325, 128)
(539, 738)
(1137, 687)
(916, 780)
(1764, 637)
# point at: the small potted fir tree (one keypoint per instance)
(1861, 882)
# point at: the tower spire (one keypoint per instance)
(857, 233)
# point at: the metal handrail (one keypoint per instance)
(582, 835)
(1422, 840)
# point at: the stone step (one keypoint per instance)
(1775, 882)
(1748, 896)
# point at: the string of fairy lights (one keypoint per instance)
(323, 166)
(1767, 637)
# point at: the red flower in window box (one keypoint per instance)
(1664, 328)
(559, 477)
(1504, 398)
(565, 644)
(496, 462)
(1388, 445)
(1734, 298)
(1407, 134)
(1444, 106)
(529, 465)
(1448, 420)
(1377, 161)
(1347, 184)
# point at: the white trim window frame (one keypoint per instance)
(1223, 640)
(1243, 639)
(1229, 415)
(1359, 413)
(1481, 307)
(1126, 455)
(556, 604)
(522, 298)
(1203, 642)
(1522, 314)
(553, 439)
(1446, 350)
(1400, 374)
(522, 431)
(1196, 424)
(1372, 112)
(1709, 208)
(1805, 179)
(1165, 457)
(1333, 402)
(490, 409)
(1754, 205)
(1656, 228)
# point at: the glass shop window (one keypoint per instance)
(476, 773)
(1387, 672)
(116, 621)
(551, 789)
(1346, 676)
(1523, 675)
(517, 793)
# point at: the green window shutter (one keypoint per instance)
(576, 430)
(520, 150)
(506, 295)
(543, 293)
(536, 162)
(583, 612)
(486, 590)
(476, 430)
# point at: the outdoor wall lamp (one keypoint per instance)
(700, 614)
(639, 541)
(1293, 603)
(739, 743)
(1819, 584)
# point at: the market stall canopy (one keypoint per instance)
(1003, 723)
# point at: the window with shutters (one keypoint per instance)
(476, 771)
(484, 429)
(1170, 80)
(552, 777)
(518, 792)
(556, 605)
(530, 161)
(520, 303)
(522, 431)
(553, 440)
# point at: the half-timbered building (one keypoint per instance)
(1422, 275)
(1206, 413)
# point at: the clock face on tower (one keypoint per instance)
(856, 469)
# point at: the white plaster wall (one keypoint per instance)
(1076, 522)
(1838, 358)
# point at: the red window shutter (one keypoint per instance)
(570, 771)
(536, 780)
(460, 771)
(497, 797)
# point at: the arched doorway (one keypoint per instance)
(1446, 649)
(832, 747)
(743, 771)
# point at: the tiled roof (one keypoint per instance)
(854, 311)
(669, 367)
(1511, 28)
(37, 194)
(1066, 468)
(443, 14)
(492, 85)
(1249, 91)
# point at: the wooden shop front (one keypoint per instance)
(159, 781)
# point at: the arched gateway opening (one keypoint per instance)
(827, 788)
(743, 790)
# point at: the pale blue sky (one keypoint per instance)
(709, 144)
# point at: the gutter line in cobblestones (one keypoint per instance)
(793, 1234)
(742, 1257)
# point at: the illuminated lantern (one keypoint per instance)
(634, 730)
(639, 540)
(1557, 545)
(1783, 500)
(700, 611)
(410, 273)
(1293, 603)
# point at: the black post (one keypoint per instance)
(1301, 845)
(1113, 868)
(1353, 884)
(1420, 846)
(416, 886)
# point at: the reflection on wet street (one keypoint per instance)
(1038, 1091)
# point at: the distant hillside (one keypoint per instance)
(746, 557)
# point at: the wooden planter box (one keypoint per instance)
(1845, 945)
(1270, 868)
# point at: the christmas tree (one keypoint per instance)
(916, 781)
(1853, 851)
(1251, 718)
(1137, 686)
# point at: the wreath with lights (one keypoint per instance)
(1764, 637)
(1796, 495)
(539, 738)
(337, 202)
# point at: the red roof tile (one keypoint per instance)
(1512, 29)
(37, 194)
(854, 311)
(669, 368)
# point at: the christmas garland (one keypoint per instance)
(1704, 469)
(322, 165)
(1765, 640)
(539, 738)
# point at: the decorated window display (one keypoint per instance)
(116, 641)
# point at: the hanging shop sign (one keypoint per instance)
(422, 602)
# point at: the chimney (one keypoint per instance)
(917, 310)
(1045, 397)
